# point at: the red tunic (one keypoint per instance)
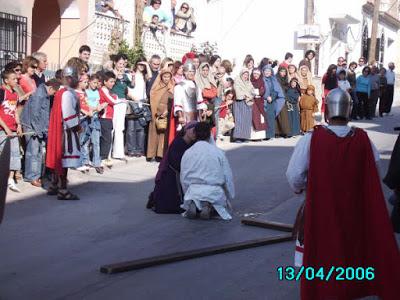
(54, 152)
(346, 219)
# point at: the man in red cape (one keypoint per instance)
(344, 221)
(63, 147)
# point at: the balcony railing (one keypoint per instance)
(100, 35)
(173, 45)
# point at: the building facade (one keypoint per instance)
(258, 27)
(58, 28)
(272, 28)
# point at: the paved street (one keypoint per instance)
(53, 250)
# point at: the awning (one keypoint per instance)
(344, 19)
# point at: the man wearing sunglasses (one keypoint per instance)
(164, 18)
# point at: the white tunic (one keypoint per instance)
(299, 162)
(183, 102)
(70, 115)
(207, 177)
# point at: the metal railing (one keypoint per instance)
(13, 38)
(173, 45)
(100, 35)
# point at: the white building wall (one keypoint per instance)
(263, 28)
(331, 48)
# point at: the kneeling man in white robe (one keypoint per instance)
(206, 177)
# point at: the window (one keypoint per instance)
(13, 38)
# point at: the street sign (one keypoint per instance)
(308, 34)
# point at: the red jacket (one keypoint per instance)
(106, 96)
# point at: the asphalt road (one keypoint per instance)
(53, 250)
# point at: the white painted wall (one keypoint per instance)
(263, 28)
(331, 49)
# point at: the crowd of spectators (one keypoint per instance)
(134, 111)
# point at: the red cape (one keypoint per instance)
(172, 126)
(55, 136)
(346, 219)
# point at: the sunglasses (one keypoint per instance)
(17, 70)
(185, 7)
(34, 67)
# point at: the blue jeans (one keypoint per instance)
(34, 155)
(135, 137)
(15, 154)
(90, 135)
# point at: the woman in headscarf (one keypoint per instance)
(160, 102)
(293, 97)
(305, 78)
(274, 99)
(258, 112)
(292, 72)
(282, 119)
(206, 82)
(242, 108)
(208, 86)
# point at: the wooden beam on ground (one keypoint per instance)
(267, 224)
(185, 255)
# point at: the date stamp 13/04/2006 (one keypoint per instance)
(326, 274)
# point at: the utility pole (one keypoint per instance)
(138, 22)
(310, 12)
(374, 32)
(310, 21)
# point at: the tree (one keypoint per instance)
(134, 54)
(138, 30)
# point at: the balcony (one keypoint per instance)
(173, 45)
(100, 35)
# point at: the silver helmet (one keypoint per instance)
(189, 66)
(338, 104)
(69, 71)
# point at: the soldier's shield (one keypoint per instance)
(4, 173)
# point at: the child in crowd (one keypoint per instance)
(85, 114)
(107, 101)
(226, 122)
(155, 25)
(308, 107)
(91, 126)
(293, 97)
(10, 126)
(343, 83)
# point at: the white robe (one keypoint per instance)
(182, 100)
(297, 170)
(207, 177)
(70, 114)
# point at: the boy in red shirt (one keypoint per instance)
(107, 100)
(10, 126)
